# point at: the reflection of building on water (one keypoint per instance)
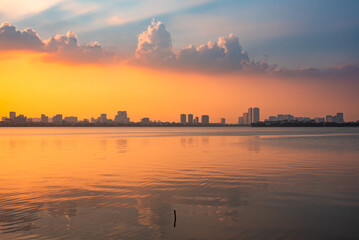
(251, 143)
(122, 145)
(205, 140)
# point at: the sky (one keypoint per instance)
(160, 58)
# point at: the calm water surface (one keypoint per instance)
(224, 183)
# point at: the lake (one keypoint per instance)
(224, 183)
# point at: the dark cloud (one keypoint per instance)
(60, 47)
(342, 72)
(13, 39)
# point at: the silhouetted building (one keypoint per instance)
(44, 118)
(103, 118)
(12, 116)
(250, 116)
(145, 121)
(328, 118)
(196, 120)
(205, 119)
(340, 117)
(319, 120)
(183, 118)
(256, 117)
(245, 118)
(240, 121)
(20, 119)
(285, 117)
(121, 117)
(70, 119)
(272, 118)
(57, 119)
(190, 118)
(223, 121)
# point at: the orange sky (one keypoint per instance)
(31, 86)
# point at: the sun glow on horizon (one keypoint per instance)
(32, 86)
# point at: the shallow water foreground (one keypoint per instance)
(224, 183)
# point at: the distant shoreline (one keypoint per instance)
(159, 125)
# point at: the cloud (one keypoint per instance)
(66, 48)
(342, 72)
(155, 45)
(59, 47)
(225, 55)
(13, 39)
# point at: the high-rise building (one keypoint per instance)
(256, 117)
(196, 120)
(328, 118)
(44, 118)
(340, 117)
(190, 118)
(205, 119)
(103, 118)
(121, 117)
(223, 121)
(250, 116)
(57, 119)
(245, 118)
(240, 121)
(183, 118)
(12, 115)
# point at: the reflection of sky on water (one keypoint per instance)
(54, 186)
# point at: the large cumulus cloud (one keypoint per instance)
(59, 47)
(155, 47)
(13, 39)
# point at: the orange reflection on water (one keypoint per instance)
(125, 182)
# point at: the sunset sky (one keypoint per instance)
(161, 58)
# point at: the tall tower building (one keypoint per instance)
(183, 118)
(103, 118)
(12, 115)
(190, 118)
(256, 116)
(340, 117)
(245, 118)
(250, 116)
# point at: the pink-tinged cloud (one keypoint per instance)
(226, 55)
(66, 48)
(59, 47)
(155, 45)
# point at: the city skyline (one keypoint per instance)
(248, 118)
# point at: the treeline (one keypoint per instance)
(304, 124)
